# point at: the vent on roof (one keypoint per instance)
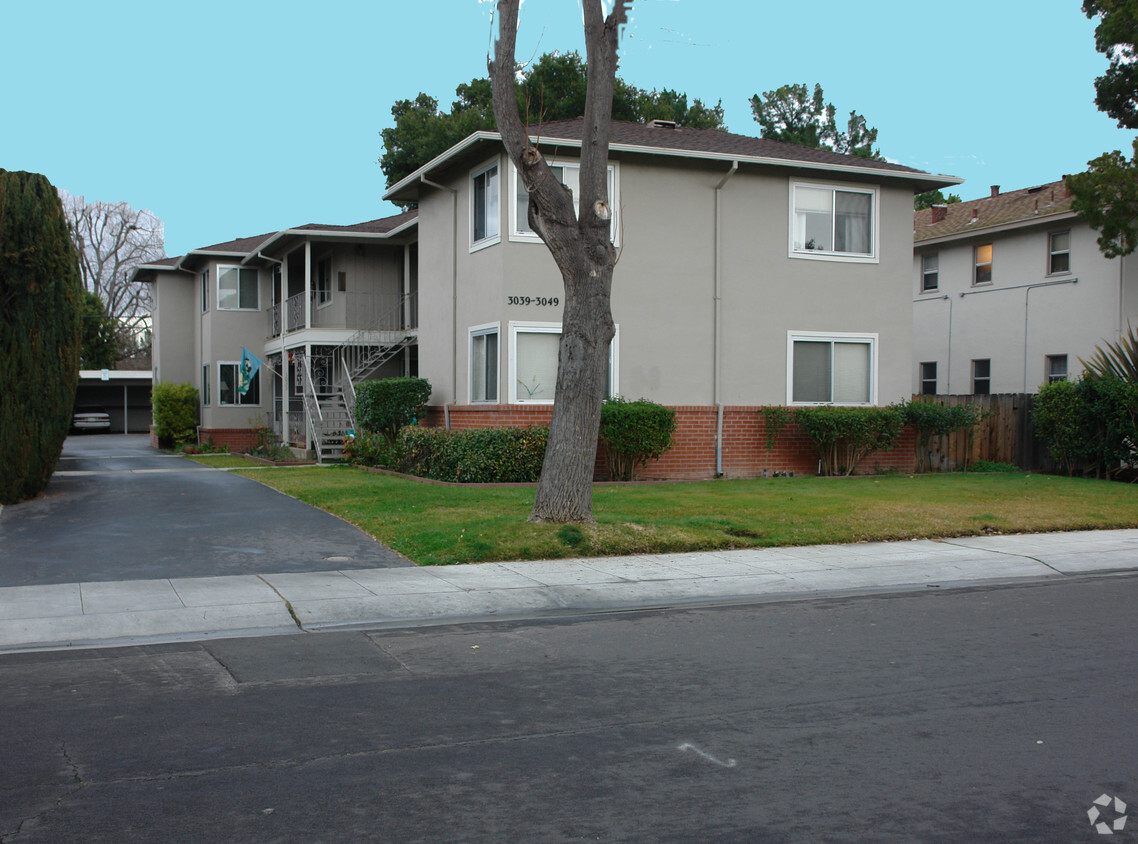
(1036, 189)
(995, 191)
(939, 212)
(661, 124)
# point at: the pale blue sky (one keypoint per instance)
(228, 119)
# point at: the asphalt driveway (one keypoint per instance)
(116, 509)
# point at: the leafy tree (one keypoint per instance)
(99, 347)
(112, 239)
(933, 197)
(1106, 196)
(552, 88)
(793, 115)
(40, 304)
(582, 249)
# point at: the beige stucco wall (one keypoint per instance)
(175, 336)
(664, 283)
(1060, 319)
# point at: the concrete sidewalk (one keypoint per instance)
(135, 611)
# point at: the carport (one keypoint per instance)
(124, 393)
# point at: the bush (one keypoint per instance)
(993, 466)
(387, 405)
(175, 413)
(367, 449)
(844, 435)
(1088, 425)
(482, 456)
(634, 432)
(931, 419)
(40, 306)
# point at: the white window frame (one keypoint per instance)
(1052, 252)
(240, 269)
(987, 378)
(1049, 374)
(926, 272)
(524, 327)
(869, 339)
(236, 364)
(323, 298)
(846, 257)
(922, 380)
(494, 328)
(204, 277)
(977, 264)
(496, 237)
(518, 236)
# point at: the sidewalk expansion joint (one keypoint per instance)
(288, 606)
(1007, 554)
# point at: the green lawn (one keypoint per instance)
(438, 525)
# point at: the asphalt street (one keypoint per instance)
(118, 510)
(982, 714)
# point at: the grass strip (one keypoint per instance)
(440, 525)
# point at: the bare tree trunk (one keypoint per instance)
(582, 247)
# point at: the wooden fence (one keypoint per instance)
(1006, 434)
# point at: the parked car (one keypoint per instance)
(90, 417)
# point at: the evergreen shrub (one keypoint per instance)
(480, 456)
(389, 404)
(842, 436)
(41, 302)
(634, 432)
(175, 413)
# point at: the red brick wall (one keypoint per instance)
(745, 454)
(238, 439)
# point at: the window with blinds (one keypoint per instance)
(837, 369)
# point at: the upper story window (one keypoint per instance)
(569, 174)
(237, 289)
(930, 272)
(484, 215)
(831, 368)
(982, 260)
(323, 285)
(205, 290)
(833, 223)
(1059, 252)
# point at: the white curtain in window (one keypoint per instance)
(811, 380)
(536, 368)
(851, 373)
(851, 222)
(813, 217)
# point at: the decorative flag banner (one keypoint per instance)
(250, 363)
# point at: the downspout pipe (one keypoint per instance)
(1026, 307)
(453, 291)
(718, 328)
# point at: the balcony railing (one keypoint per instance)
(294, 312)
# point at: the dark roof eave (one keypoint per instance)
(330, 234)
(996, 228)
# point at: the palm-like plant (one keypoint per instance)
(1115, 360)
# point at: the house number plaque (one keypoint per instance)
(540, 301)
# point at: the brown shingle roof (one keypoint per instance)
(1012, 207)
(380, 226)
(240, 246)
(709, 141)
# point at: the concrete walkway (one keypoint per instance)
(93, 614)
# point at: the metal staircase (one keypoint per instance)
(331, 415)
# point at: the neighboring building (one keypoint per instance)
(750, 273)
(1010, 291)
(314, 303)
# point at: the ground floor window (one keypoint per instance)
(484, 363)
(982, 377)
(205, 385)
(227, 386)
(928, 378)
(534, 349)
(831, 368)
(1056, 368)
